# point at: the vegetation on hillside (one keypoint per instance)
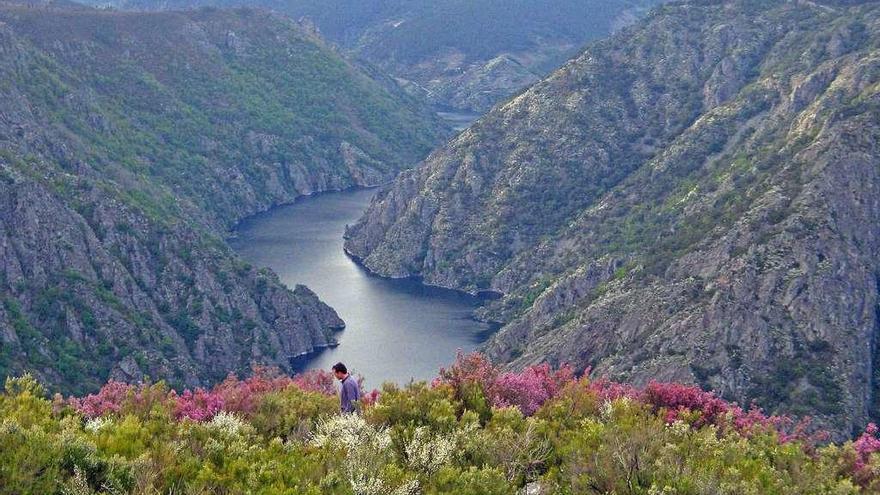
(461, 53)
(473, 430)
(685, 199)
(129, 144)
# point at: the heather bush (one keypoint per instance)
(529, 389)
(479, 384)
(474, 430)
(367, 453)
(123, 398)
(198, 405)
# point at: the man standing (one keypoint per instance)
(349, 393)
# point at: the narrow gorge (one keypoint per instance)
(131, 142)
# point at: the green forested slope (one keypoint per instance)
(467, 54)
(130, 142)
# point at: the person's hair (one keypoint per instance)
(340, 368)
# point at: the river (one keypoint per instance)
(396, 330)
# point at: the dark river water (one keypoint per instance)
(396, 330)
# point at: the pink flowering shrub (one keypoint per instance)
(200, 405)
(606, 390)
(677, 399)
(468, 369)
(529, 389)
(320, 381)
(243, 396)
(121, 398)
(108, 400)
(370, 398)
(700, 408)
(231, 395)
(476, 382)
(865, 446)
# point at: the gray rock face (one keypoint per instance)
(129, 143)
(692, 200)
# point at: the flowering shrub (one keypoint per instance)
(468, 369)
(475, 430)
(865, 447)
(366, 449)
(606, 390)
(320, 381)
(529, 389)
(231, 395)
(526, 390)
(227, 424)
(677, 399)
(200, 405)
(242, 396)
(122, 398)
(108, 400)
(370, 398)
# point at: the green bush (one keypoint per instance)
(415, 439)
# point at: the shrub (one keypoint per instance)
(475, 430)
(529, 389)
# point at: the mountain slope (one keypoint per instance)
(130, 143)
(692, 199)
(465, 54)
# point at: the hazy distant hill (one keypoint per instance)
(129, 143)
(694, 199)
(467, 54)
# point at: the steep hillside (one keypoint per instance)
(465, 54)
(129, 143)
(694, 199)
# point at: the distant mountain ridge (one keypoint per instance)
(464, 54)
(694, 199)
(129, 144)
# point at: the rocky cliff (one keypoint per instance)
(129, 143)
(693, 199)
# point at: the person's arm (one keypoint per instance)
(343, 398)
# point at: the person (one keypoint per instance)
(349, 392)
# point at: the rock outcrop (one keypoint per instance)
(694, 199)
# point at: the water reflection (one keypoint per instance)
(396, 329)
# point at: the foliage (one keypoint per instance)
(168, 128)
(275, 434)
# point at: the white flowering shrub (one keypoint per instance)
(97, 424)
(428, 452)
(77, 485)
(367, 451)
(228, 425)
(353, 433)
